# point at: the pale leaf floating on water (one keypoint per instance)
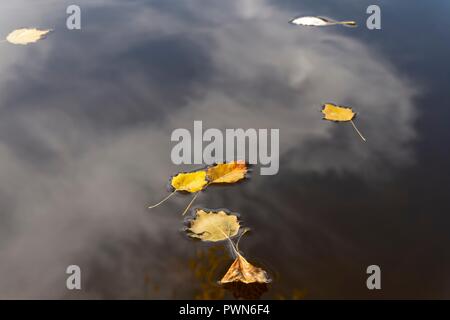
(26, 36)
(213, 226)
(320, 22)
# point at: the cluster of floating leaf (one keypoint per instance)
(220, 225)
(209, 225)
(199, 180)
(215, 226)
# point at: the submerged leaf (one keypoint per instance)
(213, 225)
(320, 22)
(242, 271)
(227, 172)
(26, 36)
(340, 114)
(190, 182)
(246, 291)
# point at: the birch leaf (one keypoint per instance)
(194, 182)
(320, 22)
(190, 182)
(213, 225)
(334, 113)
(227, 172)
(26, 36)
(242, 271)
(340, 114)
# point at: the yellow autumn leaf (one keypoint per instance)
(334, 113)
(213, 225)
(243, 271)
(227, 172)
(340, 114)
(190, 182)
(26, 36)
(194, 182)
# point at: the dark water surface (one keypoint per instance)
(85, 124)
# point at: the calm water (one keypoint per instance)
(85, 125)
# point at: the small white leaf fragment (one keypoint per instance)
(320, 22)
(309, 21)
(26, 36)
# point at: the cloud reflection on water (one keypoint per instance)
(87, 117)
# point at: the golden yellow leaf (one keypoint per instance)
(190, 182)
(227, 172)
(242, 271)
(340, 114)
(26, 36)
(213, 225)
(196, 181)
(335, 113)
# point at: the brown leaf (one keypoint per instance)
(230, 172)
(242, 271)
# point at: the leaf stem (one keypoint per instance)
(163, 200)
(356, 129)
(347, 23)
(190, 203)
(233, 246)
(240, 237)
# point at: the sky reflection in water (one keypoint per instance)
(85, 128)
